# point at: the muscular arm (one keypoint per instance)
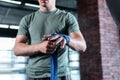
(77, 42)
(23, 49)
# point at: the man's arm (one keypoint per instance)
(77, 41)
(23, 49)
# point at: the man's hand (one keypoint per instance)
(48, 47)
(57, 39)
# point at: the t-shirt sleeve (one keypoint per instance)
(72, 24)
(23, 27)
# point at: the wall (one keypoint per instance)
(110, 43)
(101, 60)
(90, 61)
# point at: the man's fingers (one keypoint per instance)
(43, 39)
(53, 38)
(46, 37)
(62, 43)
(51, 47)
(58, 40)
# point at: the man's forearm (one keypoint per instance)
(45, 47)
(77, 44)
(22, 49)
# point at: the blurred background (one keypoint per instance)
(99, 22)
(11, 12)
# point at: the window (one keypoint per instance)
(74, 64)
(9, 63)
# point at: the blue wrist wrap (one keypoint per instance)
(53, 61)
(64, 36)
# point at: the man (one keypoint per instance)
(39, 35)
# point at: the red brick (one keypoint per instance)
(101, 60)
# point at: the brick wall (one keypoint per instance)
(101, 60)
(90, 61)
(110, 44)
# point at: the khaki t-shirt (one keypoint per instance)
(34, 26)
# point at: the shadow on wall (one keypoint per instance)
(114, 7)
(90, 64)
(90, 61)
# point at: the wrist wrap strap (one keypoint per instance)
(53, 64)
(53, 61)
(67, 38)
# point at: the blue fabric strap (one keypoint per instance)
(65, 37)
(53, 60)
(53, 64)
(54, 67)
